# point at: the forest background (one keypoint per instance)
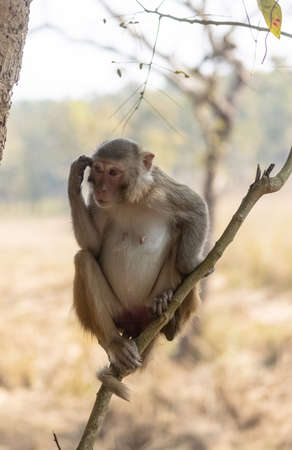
(45, 136)
(231, 387)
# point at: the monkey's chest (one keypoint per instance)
(132, 257)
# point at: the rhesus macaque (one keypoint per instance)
(140, 235)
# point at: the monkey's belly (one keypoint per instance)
(132, 263)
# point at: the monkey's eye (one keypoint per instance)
(113, 172)
(98, 169)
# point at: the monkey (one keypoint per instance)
(140, 233)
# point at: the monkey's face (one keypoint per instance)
(107, 178)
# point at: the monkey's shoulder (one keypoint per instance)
(179, 199)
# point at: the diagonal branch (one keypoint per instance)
(263, 184)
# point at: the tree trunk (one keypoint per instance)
(14, 15)
(209, 192)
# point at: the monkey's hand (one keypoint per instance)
(160, 303)
(77, 173)
(123, 354)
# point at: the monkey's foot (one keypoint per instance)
(160, 303)
(123, 353)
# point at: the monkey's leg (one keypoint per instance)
(162, 293)
(189, 306)
(167, 281)
(96, 307)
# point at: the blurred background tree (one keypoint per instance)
(44, 136)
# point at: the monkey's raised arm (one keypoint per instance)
(85, 232)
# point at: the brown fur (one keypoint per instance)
(150, 237)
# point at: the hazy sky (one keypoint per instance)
(54, 67)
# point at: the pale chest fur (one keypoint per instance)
(133, 251)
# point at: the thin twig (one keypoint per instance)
(258, 173)
(262, 185)
(56, 440)
(131, 114)
(159, 114)
(210, 22)
(125, 101)
(246, 13)
(142, 94)
(267, 35)
(128, 116)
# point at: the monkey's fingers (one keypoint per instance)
(77, 172)
(84, 160)
(133, 353)
(121, 361)
(160, 304)
(81, 164)
(127, 357)
(125, 361)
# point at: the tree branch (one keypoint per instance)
(57, 442)
(209, 22)
(263, 184)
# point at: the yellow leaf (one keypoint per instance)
(273, 15)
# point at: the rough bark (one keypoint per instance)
(14, 15)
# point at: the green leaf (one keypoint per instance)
(119, 72)
(181, 72)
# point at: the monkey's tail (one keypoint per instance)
(113, 384)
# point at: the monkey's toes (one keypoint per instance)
(160, 303)
(128, 357)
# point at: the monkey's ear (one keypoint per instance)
(147, 160)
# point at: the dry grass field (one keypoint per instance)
(231, 390)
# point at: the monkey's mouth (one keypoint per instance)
(103, 203)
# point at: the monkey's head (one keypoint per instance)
(120, 172)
